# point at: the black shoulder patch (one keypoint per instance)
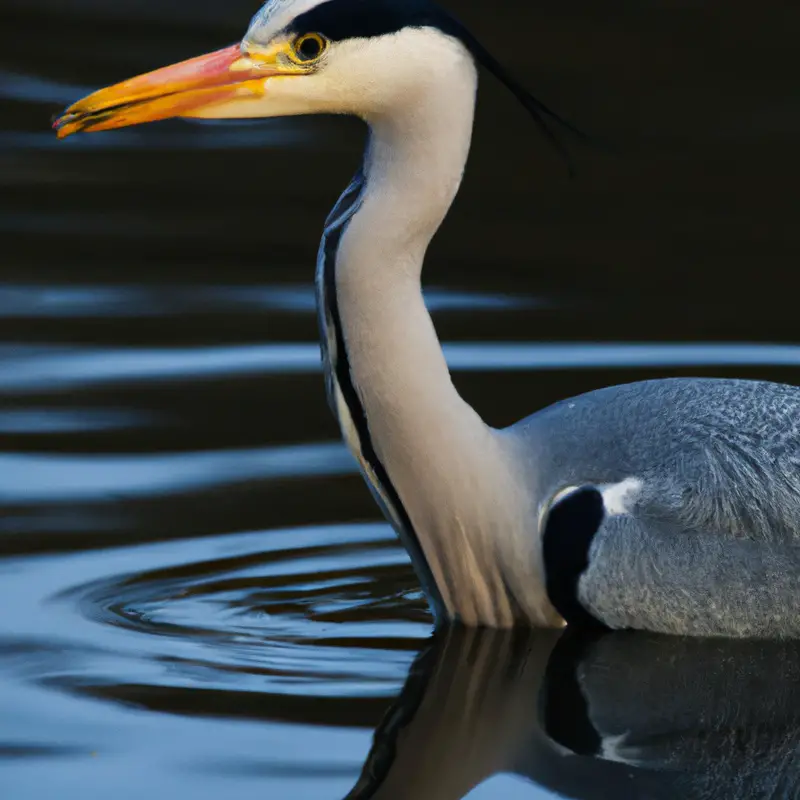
(568, 532)
(348, 19)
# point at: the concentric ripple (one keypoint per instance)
(297, 612)
(234, 654)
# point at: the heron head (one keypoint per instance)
(358, 57)
(361, 57)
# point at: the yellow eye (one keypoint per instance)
(309, 47)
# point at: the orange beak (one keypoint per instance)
(180, 90)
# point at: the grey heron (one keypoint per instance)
(670, 505)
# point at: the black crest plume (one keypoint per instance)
(545, 118)
(344, 19)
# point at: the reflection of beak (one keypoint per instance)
(181, 90)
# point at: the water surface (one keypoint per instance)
(198, 595)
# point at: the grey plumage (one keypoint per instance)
(711, 542)
(644, 574)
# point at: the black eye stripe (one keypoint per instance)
(347, 19)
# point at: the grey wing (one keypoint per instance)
(645, 569)
(709, 540)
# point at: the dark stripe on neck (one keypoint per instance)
(339, 218)
(568, 532)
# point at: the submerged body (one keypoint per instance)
(666, 505)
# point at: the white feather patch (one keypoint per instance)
(274, 16)
(619, 497)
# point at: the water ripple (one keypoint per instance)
(197, 135)
(56, 368)
(329, 612)
(18, 301)
(32, 88)
(44, 421)
(50, 477)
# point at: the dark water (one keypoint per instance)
(197, 595)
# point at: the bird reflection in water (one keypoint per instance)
(606, 715)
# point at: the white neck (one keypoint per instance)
(447, 466)
(413, 168)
